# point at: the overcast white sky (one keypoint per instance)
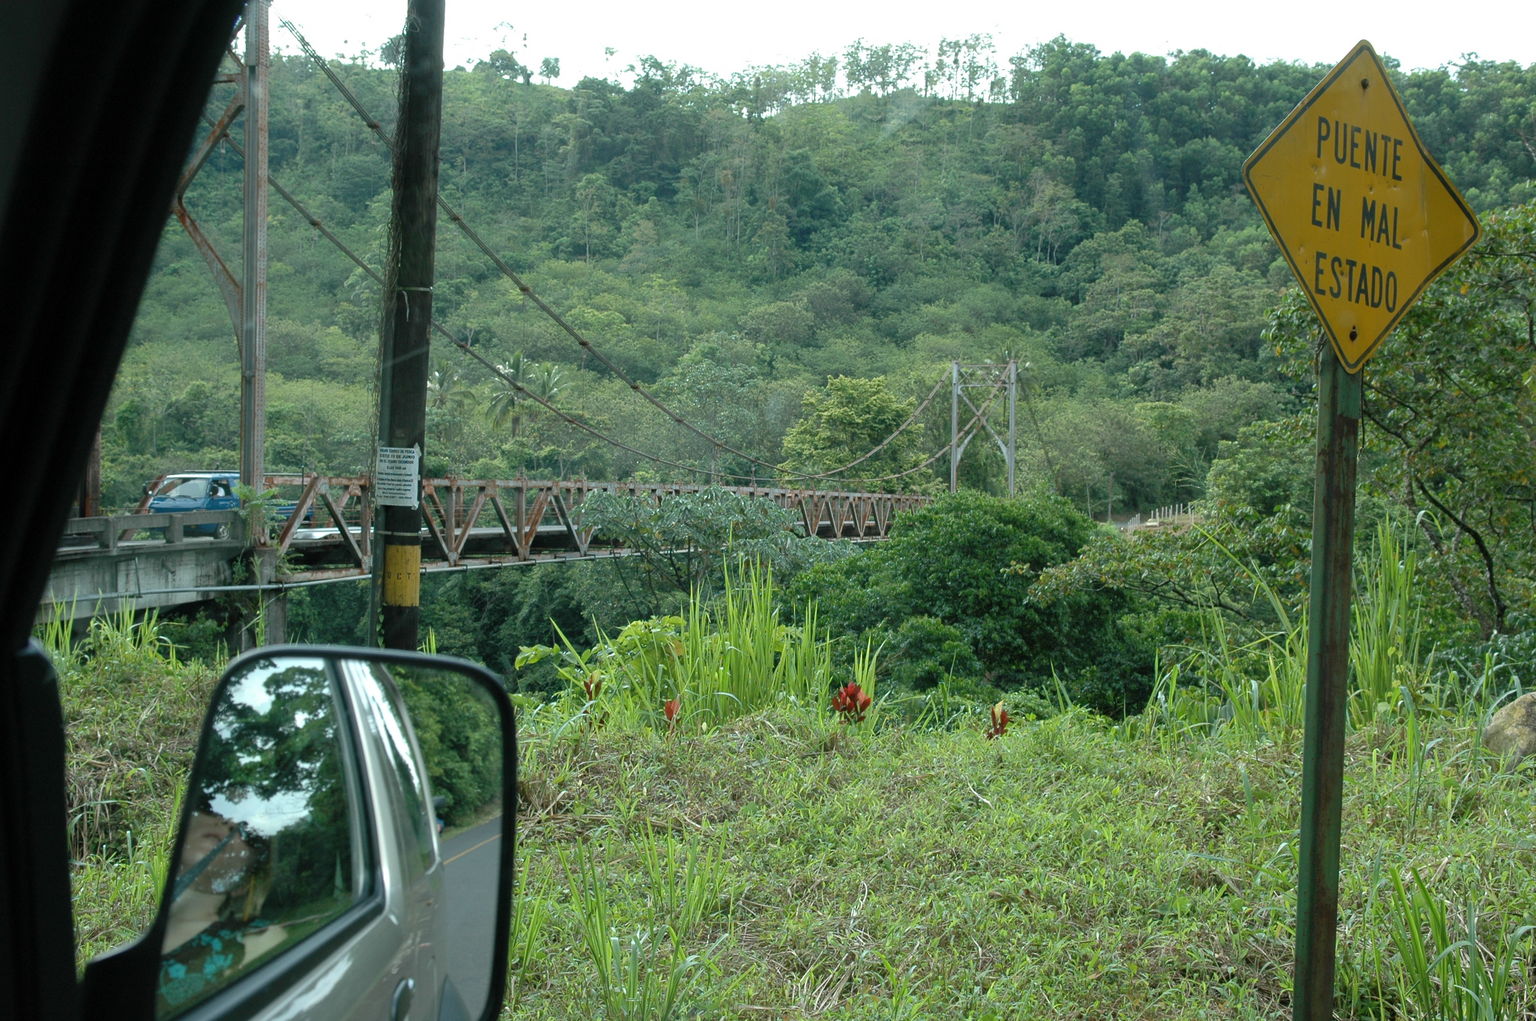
(725, 36)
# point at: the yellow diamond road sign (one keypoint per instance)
(1362, 212)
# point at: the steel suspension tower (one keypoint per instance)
(992, 378)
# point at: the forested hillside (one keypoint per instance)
(789, 260)
(734, 244)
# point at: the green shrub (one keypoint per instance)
(925, 651)
(959, 576)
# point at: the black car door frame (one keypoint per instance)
(100, 104)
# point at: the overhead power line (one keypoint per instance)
(554, 315)
(527, 291)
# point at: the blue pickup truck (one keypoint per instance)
(202, 491)
(196, 491)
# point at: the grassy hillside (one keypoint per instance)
(764, 855)
(789, 866)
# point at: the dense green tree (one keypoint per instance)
(1451, 412)
(854, 427)
(518, 388)
(1210, 329)
(1249, 545)
(739, 409)
(970, 563)
(1113, 456)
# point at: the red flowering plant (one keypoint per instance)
(851, 703)
(999, 722)
(592, 685)
(670, 709)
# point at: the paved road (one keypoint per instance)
(471, 857)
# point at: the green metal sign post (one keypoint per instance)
(1322, 765)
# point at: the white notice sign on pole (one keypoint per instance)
(397, 482)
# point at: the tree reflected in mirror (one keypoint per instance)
(267, 852)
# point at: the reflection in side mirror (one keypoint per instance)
(343, 837)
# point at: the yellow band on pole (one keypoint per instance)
(402, 575)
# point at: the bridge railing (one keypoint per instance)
(466, 517)
(107, 533)
(324, 531)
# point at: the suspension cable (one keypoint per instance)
(527, 291)
(971, 429)
(345, 249)
(911, 419)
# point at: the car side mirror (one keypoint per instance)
(342, 849)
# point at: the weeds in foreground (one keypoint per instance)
(117, 896)
(132, 715)
(714, 664)
(1386, 660)
(132, 711)
(685, 883)
(531, 906)
(1445, 971)
(641, 968)
(1065, 871)
(1255, 687)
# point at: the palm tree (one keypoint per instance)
(447, 400)
(516, 379)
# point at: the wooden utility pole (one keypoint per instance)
(404, 343)
(253, 317)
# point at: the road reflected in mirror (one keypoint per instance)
(457, 726)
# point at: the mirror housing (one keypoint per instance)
(311, 852)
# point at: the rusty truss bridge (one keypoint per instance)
(145, 560)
